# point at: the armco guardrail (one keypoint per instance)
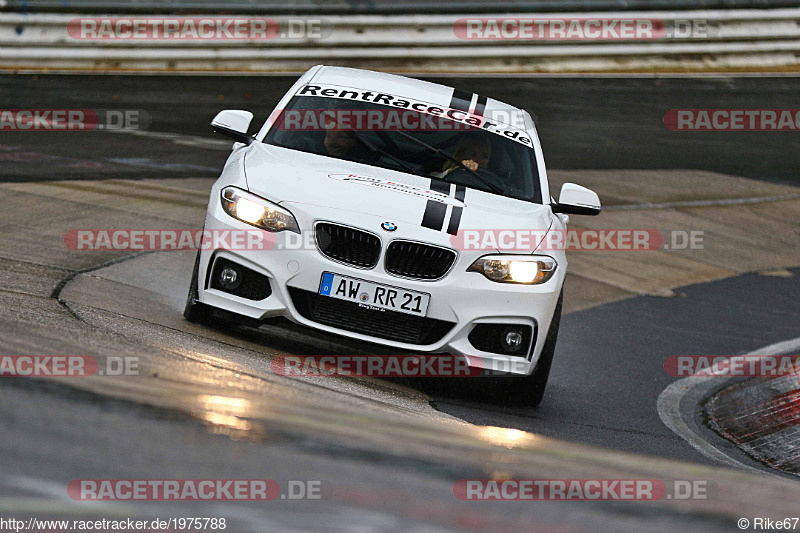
(678, 41)
(374, 7)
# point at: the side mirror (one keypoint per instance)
(234, 123)
(577, 200)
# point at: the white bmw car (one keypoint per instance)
(366, 184)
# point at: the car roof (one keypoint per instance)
(425, 91)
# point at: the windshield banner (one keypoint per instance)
(303, 119)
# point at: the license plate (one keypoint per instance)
(374, 295)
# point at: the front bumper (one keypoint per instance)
(463, 299)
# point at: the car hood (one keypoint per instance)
(288, 176)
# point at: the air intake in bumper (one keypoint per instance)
(350, 316)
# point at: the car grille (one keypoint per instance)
(418, 261)
(349, 316)
(348, 245)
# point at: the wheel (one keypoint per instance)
(532, 387)
(527, 390)
(194, 311)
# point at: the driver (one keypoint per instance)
(473, 150)
(339, 143)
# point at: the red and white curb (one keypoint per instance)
(694, 389)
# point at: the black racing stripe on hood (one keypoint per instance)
(434, 215)
(455, 214)
(455, 220)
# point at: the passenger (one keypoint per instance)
(473, 150)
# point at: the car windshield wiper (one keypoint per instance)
(483, 180)
(374, 148)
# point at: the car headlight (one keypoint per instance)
(527, 269)
(257, 211)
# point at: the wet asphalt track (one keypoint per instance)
(608, 369)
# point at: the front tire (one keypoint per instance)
(528, 390)
(531, 388)
(195, 311)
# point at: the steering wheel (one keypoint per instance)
(465, 177)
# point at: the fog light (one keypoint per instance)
(513, 340)
(504, 339)
(230, 278)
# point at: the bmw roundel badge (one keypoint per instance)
(388, 226)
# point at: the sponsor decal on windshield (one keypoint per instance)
(465, 108)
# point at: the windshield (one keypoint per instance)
(408, 141)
